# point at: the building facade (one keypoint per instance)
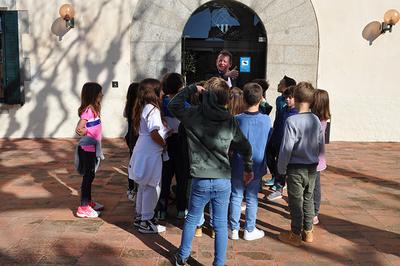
(118, 42)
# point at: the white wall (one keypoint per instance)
(362, 80)
(97, 49)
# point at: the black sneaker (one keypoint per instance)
(137, 221)
(151, 227)
(178, 259)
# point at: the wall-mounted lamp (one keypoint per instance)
(67, 12)
(375, 28)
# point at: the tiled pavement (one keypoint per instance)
(360, 212)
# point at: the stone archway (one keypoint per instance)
(292, 30)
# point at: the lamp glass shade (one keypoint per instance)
(67, 12)
(391, 16)
(372, 31)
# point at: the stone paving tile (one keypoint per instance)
(39, 191)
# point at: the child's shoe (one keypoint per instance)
(137, 221)
(131, 194)
(212, 233)
(151, 227)
(199, 232)
(276, 187)
(308, 236)
(178, 259)
(275, 195)
(270, 182)
(290, 238)
(315, 220)
(253, 235)
(181, 215)
(86, 212)
(233, 234)
(96, 206)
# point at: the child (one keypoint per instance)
(130, 137)
(256, 128)
(265, 108)
(302, 143)
(146, 162)
(321, 109)
(235, 105)
(171, 83)
(280, 103)
(276, 138)
(88, 152)
(210, 129)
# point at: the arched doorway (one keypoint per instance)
(228, 25)
(293, 38)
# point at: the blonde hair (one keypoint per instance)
(220, 88)
(320, 106)
(236, 104)
(304, 93)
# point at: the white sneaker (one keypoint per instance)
(253, 235)
(233, 234)
(131, 194)
(151, 227)
(274, 196)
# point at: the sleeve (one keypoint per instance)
(177, 105)
(87, 114)
(153, 119)
(321, 140)
(285, 151)
(242, 146)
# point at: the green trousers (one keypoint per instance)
(300, 184)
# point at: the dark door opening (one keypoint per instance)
(226, 25)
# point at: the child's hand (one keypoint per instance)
(81, 127)
(200, 89)
(247, 177)
(81, 131)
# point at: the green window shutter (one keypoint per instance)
(11, 58)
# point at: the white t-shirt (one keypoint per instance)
(146, 163)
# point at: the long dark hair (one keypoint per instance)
(147, 94)
(130, 100)
(89, 98)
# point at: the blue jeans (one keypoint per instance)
(216, 190)
(238, 189)
(203, 220)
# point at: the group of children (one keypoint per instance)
(217, 141)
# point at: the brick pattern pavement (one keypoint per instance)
(360, 212)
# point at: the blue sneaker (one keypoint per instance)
(276, 187)
(270, 182)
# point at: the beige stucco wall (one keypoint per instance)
(360, 78)
(97, 49)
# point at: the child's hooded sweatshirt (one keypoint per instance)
(210, 130)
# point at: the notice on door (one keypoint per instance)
(245, 64)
